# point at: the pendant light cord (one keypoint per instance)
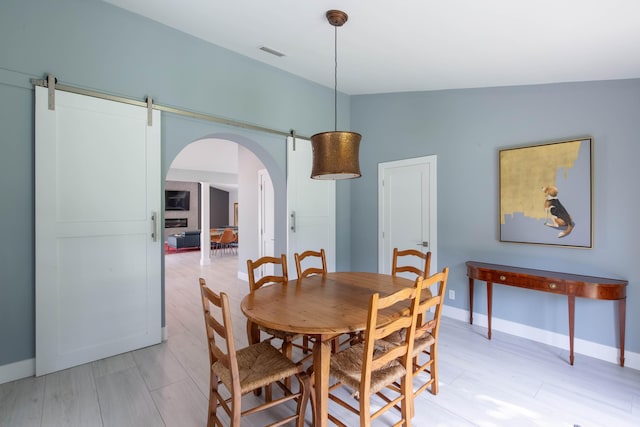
(335, 80)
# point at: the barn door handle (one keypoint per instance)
(154, 225)
(292, 223)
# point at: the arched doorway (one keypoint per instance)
(227, 166)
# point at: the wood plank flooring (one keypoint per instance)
(507, 381)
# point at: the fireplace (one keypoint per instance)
(175, 222)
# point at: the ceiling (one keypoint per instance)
(417, 45)
(408, 45)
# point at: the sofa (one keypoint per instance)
(184, 240)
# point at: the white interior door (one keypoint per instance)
(266, 221)
(407, 209)
(98, 252)
(311, 205)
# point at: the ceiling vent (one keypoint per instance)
(272, 52)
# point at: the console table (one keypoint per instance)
(572, 285)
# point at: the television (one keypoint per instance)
(175, 200)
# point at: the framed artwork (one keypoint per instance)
(235, 214)
(546, 194)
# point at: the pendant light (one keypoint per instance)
(335, 154)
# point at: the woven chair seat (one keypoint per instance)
(420, 343)
(258, 365)
(280, 334)
(346, 366)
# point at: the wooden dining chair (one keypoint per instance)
(368, 370)
(247, 369)
(253, 267)
(316, 263)
(405, 261)
(427, 332)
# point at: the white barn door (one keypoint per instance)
(98, 250)
(311, 206)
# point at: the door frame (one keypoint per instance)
(266, 206)
(431, 162)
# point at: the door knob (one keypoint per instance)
(424, 244)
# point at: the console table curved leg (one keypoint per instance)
(572, 311)
(489, 307)
(622, 309)
(470, 301)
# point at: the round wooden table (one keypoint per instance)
(324, 307)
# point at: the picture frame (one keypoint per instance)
(235, 214)
(546, 194)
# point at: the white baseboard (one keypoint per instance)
(587, 348)
(243, 276)
(27, 368)
(17, 370)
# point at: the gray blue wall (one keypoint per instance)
(466, 129)
(93, 45)
(97, 46)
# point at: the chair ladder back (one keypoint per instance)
(318, 257)
(223, 330)
(253, 266)
(406, 319)
(408, 268)
(441, 279)
(429, 347)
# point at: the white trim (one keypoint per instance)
(243, 276)
(165, 333)
(584, 347)
(17, 370)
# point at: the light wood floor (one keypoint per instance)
(506, 382)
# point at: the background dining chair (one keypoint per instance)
(405, 261)
(369, 370)
(244, 370)
(223, 241)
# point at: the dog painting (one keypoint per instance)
(556, 215)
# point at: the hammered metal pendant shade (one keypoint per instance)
(335, 155)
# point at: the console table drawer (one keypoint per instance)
(538, 284)
(506, 278)
(549, 286)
